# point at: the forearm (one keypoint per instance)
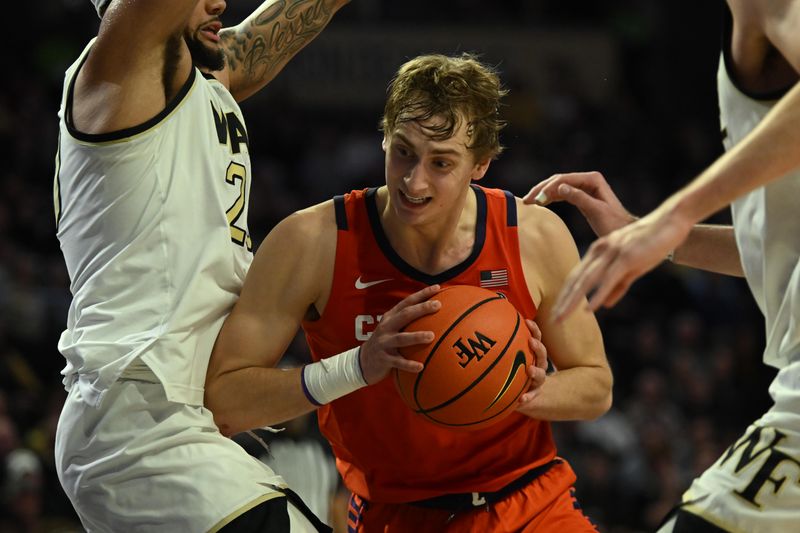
(259, 47)
(255, 397)
(770, 151)
(712, 248)
(580, 393)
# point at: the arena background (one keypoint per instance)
(625, 87)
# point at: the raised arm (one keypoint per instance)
(126, 79)
(773, 148)
(580, 389)
(766, 154)
(259, 47)
(708, 247)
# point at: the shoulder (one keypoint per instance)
(545, 242)
(540, 223)
(298, 250)
(307, 227)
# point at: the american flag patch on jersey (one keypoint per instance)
(494, 278)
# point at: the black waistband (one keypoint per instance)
(469, 500)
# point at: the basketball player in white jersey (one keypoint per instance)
(151, 194)
(755, 485)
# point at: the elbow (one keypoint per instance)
(605, 397)
(222, 417)
(602, 405)
(599, 400)
(225, 424)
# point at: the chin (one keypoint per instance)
(205, 56)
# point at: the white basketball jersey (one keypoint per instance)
(152, 223)
(767, 227)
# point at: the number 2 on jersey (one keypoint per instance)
(234, 212)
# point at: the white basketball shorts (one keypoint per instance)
(140, 463)
(755, 485)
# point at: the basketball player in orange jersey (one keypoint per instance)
(755, 485)
(338, 267)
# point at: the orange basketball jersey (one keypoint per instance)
(384, 451)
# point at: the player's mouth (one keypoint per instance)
(414, 201)
(211, 31)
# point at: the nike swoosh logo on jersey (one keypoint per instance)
(367, 284)
(519, 362)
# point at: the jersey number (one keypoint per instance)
(234, 212)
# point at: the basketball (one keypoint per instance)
(475, 368)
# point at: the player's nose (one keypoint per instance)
(216, 7)
(416, 179)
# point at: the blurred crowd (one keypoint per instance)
(685, 346)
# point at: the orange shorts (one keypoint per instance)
(547, 504)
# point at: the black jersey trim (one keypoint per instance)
(727, 39)
(127, 132)
(410, 271)
(341, 212)
(688, 522)
(511, 210)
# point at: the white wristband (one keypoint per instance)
(332, 377)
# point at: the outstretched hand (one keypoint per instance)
(536, 371)
(380, 353)
(627, 247)
(590, 193)
(615, 261)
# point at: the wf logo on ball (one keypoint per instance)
(478, 347)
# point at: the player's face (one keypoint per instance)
(201, 34)
(428, 179)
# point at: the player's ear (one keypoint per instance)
(383, 143)
(480, 168)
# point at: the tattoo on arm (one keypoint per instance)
(258, 49)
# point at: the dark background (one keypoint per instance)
(625, 87)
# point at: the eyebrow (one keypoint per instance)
(437, 151)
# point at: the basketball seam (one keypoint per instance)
(472, 385)
(442, 337)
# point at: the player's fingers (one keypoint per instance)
(537, 376)
(533, 327)
(601, 292)
(407, 365)
(528, 397)
(613, 282)
(535, 194)
(619, 291)
(407, 338)
(413, 299)
(585, 202)
(417, 297)
(591, 274)
(552, 189)
(539, 353)
(399, 318)
(577, 285)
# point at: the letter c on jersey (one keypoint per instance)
(365, 326)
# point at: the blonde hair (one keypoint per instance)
(449, 89)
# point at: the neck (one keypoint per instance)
(435, 246)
